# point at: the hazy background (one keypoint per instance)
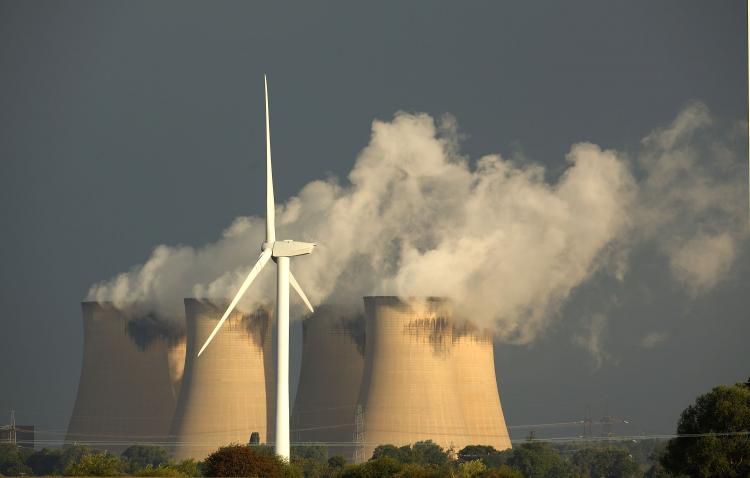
(128, 125)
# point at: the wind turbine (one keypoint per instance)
(280, 252)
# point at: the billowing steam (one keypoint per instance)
(507, 244)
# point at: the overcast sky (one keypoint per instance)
(128, 125)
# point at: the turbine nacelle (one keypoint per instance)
(289, 248)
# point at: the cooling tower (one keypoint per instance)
(474, 362)
(125, 392)
(425, 379)
(229, 391)
(330, 378)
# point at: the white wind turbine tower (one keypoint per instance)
(280, 251)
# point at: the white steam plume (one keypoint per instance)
(417, 218)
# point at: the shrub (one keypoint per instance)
(46, 462)
(503, 472)
(161, 470)
(375, 468)
(189, 467)
(101, 464)
(488, 455)
(139, 456)
(471, 469)
(336, 462)
(244, 460)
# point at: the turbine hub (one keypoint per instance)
(266, 245)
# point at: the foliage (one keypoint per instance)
(243, 460)
(725, 409)
(413, 470)
(46, 462)
(311, 468)
(12, 460)
(313, 452)
(504, 471)
(96, 464)
(161, 470)
(139, 456)
(488, 455)
(188, 467)
(605, 462)
(421, 453)
(471, 469)
(73, 453)
(375, 468)
(538, 460)
(255, 438)
(336, 461)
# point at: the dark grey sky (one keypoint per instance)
(127, 125)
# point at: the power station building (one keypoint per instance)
(330, 379)
(404, 371)
(125, 391)
(426, 378)
(229, 391)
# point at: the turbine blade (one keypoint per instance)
(302, 295)
(262, 261)
(270, 205)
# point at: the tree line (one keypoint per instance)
(713, 441)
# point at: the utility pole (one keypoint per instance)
(359, 435)
(13, 427)
(587, 422)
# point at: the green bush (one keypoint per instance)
(375, 468)
(161, 470)
(471, 469)
(244, 460)
(491, 457)
(504, 471)
(336, 462)
(46, 462)
(609, 462)
(100, 464)
(139, 456)
(538, 460)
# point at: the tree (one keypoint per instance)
(471, 469)
(254, 438)
(491, 457)
(12, 460)
(724, 412)
(161, 470)
(98, 464)
(336, 462)
(139, 456)
(314, 452)
(243, 460)
(46, 462)
(429, 453)
(504, 471)
(538, 460)
(375, 468)
(402, 454)
(605, 462)
(422, 453)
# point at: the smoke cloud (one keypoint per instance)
(504, 242)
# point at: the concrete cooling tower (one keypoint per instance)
(229, 392)
(330, 378)
(125, 391)
(425, 379)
